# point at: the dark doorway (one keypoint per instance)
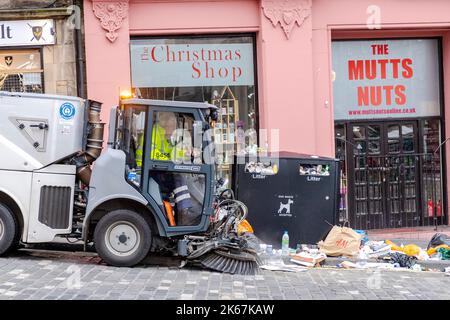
(387, 174)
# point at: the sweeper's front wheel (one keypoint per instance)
(122, 238)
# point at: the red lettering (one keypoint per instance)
(383, 63)
(196, 74)
(363, 96)
(375, 97)
(395, 63)
(180, 55)
(400, 93)
(169, 53)
(379, 49)
(408, 71)
(374, 46)
(153, 54)
(368, 69)
(342, 243)
(237, 53)
(222, 71)
(208, 70)
(388, 90)
(371, 69)
(355, 70)
(237, 73)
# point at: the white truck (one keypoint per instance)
(50, 186)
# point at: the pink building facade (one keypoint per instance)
(295, 49)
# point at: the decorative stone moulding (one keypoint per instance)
(287, 13)
(111, 15)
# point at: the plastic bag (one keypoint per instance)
(364, 237)
(244, 226)
(394, 246)
(411, 250)
(445, 253)
(432, 251)
(403, 260)
(341, 241)
(438, 239)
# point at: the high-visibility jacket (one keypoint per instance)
(161, 148)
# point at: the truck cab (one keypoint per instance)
(155, 182)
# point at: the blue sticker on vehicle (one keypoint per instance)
(67, 111)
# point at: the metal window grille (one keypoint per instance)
(21, 82)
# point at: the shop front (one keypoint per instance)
(206, 68)
(37, 48)
(387, 112)
(368, 85)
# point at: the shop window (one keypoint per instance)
(218, 70)
(21, 71)
(341, 147)
(408, 138)
(394, 139)
(432, 184)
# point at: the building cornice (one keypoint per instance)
(28, 14)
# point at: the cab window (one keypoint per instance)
(172, 137)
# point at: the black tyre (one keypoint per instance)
(122, 238)
(9, 230)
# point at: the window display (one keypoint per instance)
(20, 71)
(218, 70)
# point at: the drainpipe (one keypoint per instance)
(80, 57)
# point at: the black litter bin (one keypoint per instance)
(292, 192)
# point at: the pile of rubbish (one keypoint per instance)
(357, 252)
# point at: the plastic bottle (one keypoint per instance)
(362, 258)
(285, 243)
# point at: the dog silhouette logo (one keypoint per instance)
(285, 206)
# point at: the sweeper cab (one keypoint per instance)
(152, 190)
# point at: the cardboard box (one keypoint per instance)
(308, 259)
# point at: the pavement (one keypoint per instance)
(43, 274)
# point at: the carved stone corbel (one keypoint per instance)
(287, 13)
(111, 15)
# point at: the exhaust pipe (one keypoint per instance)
(94, 143)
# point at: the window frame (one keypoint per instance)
(41, 54)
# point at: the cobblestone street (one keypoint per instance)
(64, 275)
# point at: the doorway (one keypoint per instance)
(394, 179)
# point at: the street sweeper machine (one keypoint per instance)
(153, 190)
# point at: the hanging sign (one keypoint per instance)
(190, 65)
(379, 79)
(27, 32)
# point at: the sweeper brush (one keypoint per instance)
(244, 263)
(223, 249)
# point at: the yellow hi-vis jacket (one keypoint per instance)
(161, 148)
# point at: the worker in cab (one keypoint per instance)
(165, 146)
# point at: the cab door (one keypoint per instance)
(174, 170)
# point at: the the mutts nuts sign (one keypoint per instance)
(378, 79)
